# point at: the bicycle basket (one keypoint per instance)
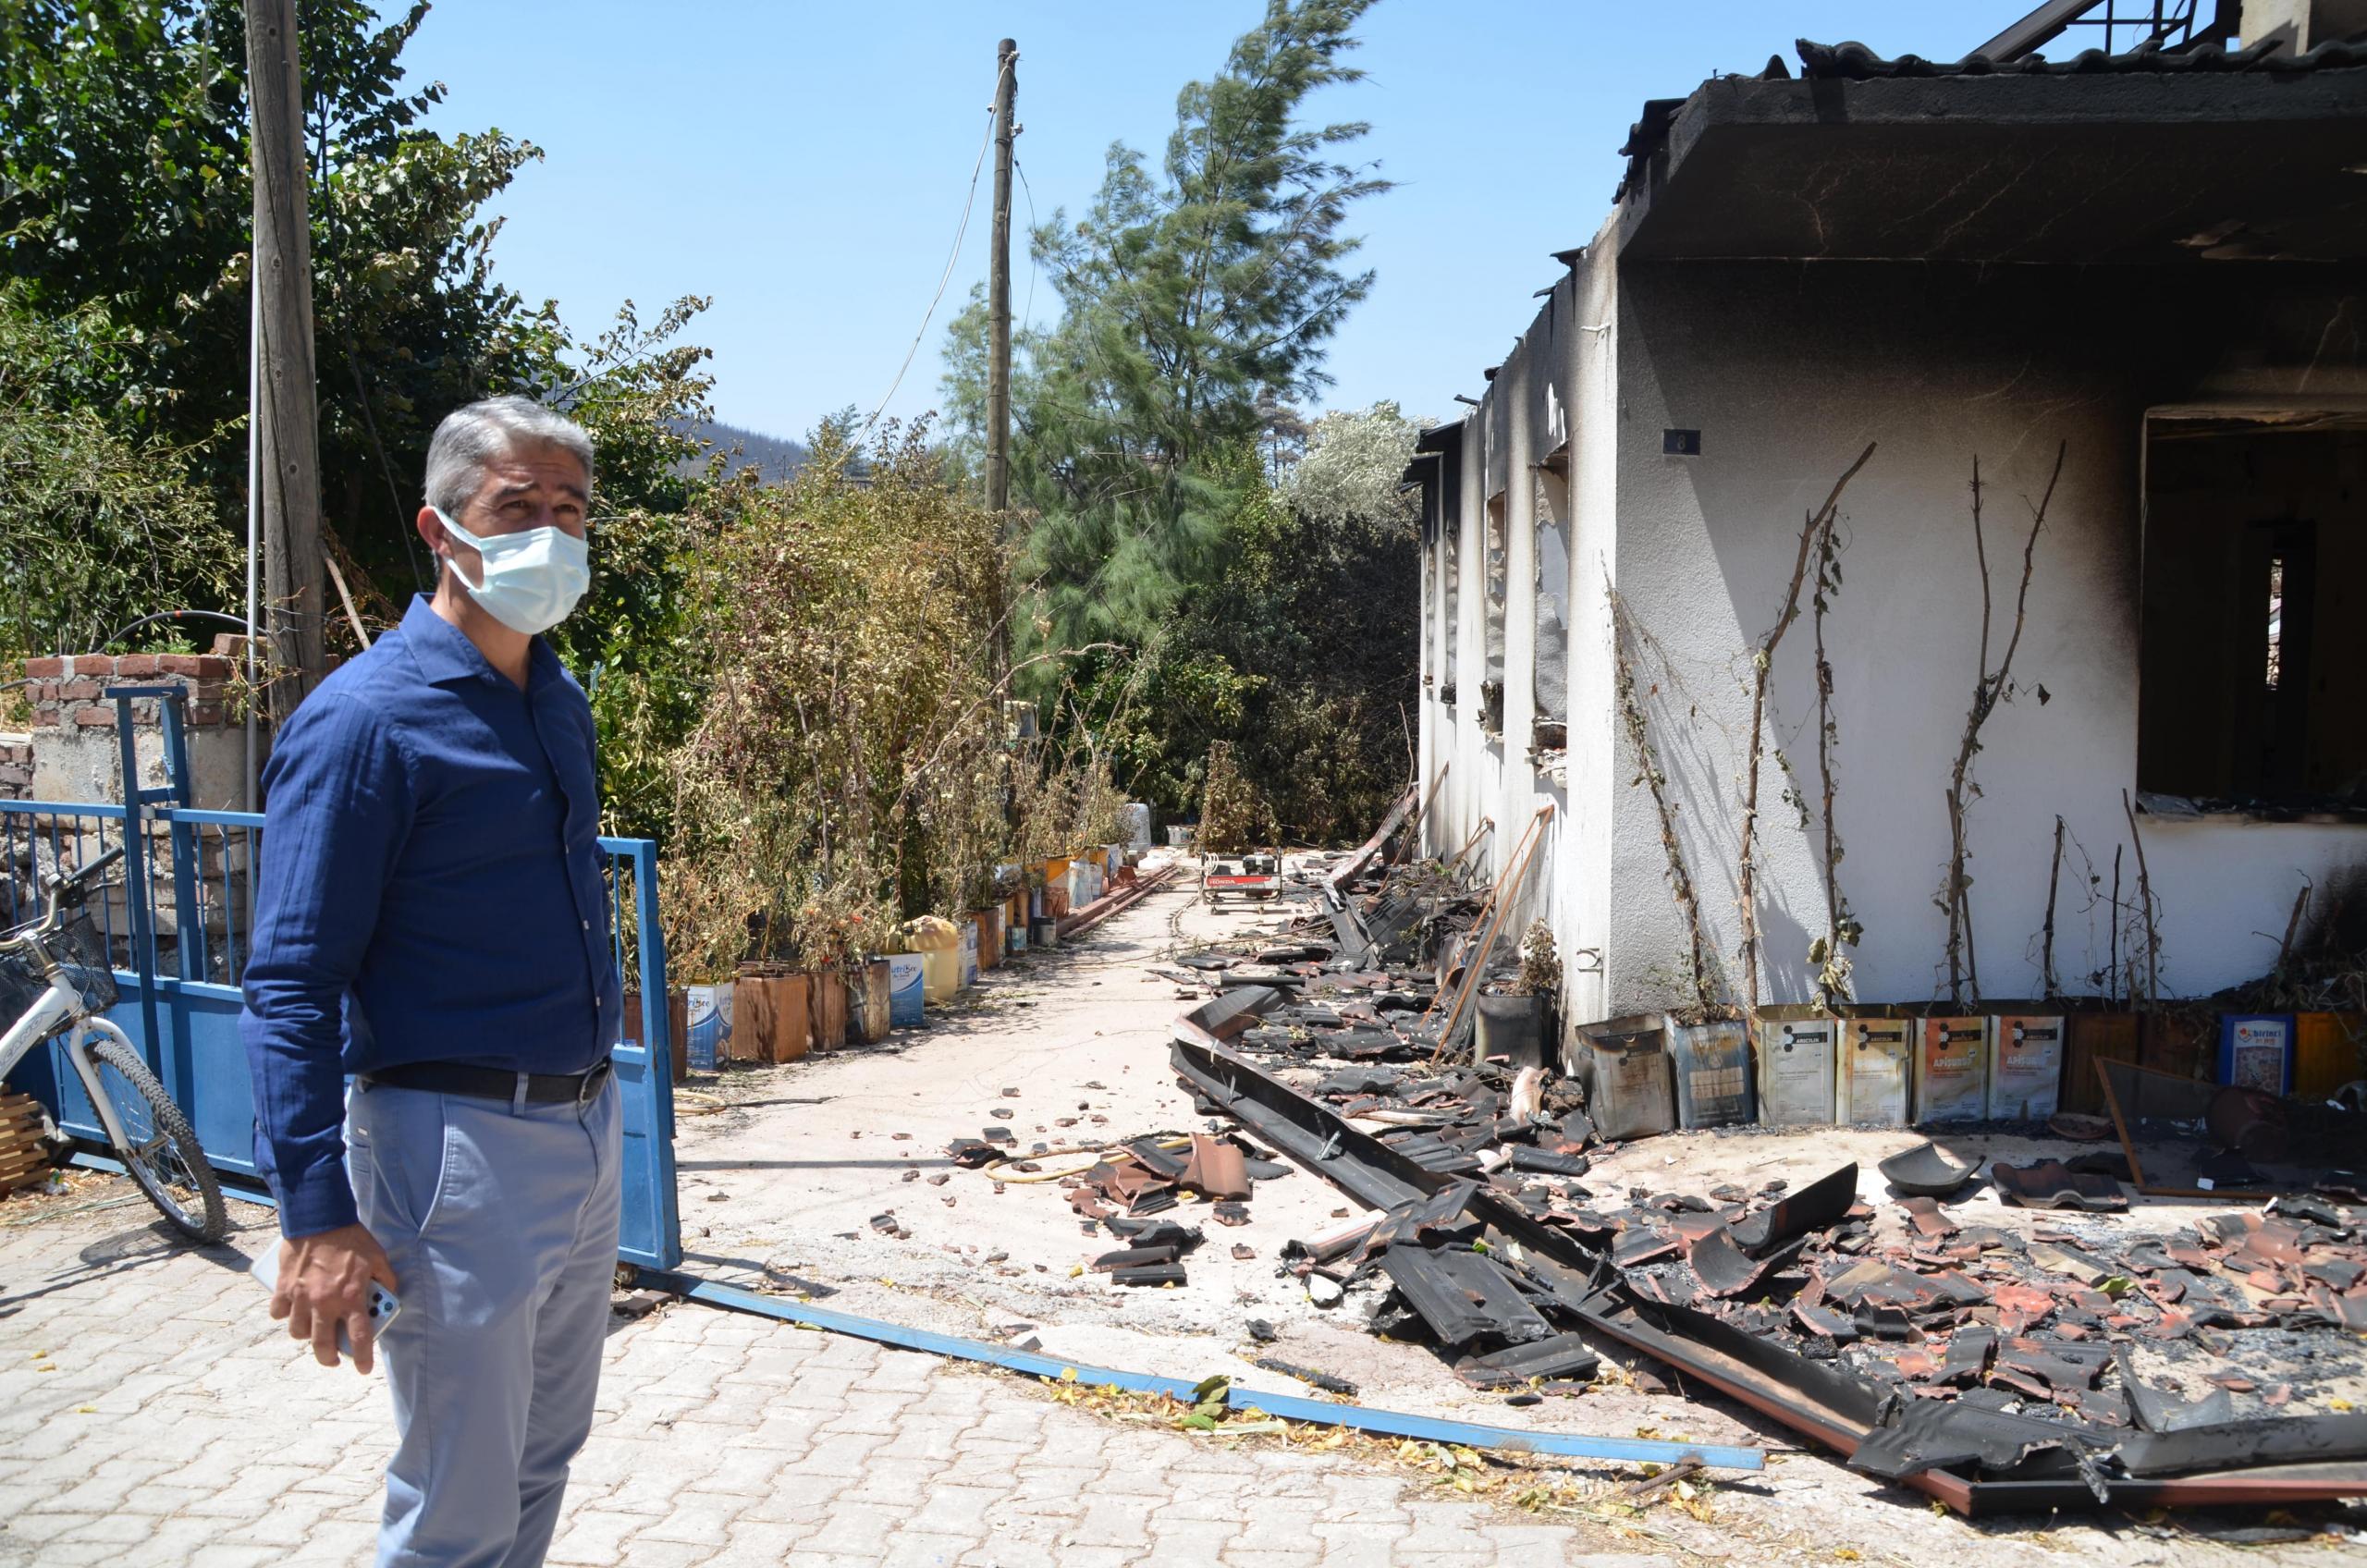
(80, 950)
(21, 985)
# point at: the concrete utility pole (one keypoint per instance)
(999, 284)
(287, 464)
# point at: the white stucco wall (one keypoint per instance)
(1553, 394)
(1788, 373)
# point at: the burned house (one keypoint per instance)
(2128, 282)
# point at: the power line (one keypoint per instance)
(964, 228)
(1027, 314)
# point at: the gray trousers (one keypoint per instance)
(501, 1225)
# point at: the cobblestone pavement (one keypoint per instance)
(155, 1416)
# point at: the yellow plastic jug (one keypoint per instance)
(939, 945)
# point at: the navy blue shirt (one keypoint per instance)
(430, 890)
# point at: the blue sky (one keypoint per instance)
(805, 164)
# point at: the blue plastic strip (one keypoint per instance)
(90, 1161)
(1034, 1363)
(1468, 1434)
(1386, 1423)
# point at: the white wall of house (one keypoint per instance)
(1788, 373)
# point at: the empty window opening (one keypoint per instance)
(1498, 565)
(1431, 607)
(2275, 615)
(2253, 665)
(1451, 602)
(1553, 603)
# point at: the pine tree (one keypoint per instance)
(1196, 296)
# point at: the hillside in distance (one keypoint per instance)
(775, 458)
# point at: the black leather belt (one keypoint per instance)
(492, 1083)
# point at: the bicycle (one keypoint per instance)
(55, 976)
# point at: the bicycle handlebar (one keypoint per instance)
(91, 869)
(67, 890)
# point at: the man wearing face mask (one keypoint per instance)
(430, 920)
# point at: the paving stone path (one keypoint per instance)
(150, 1415)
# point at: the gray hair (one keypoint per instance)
(473, 437)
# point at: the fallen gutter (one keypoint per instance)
(1102, 908)
(1384, 1423)
(1335, 879)
(86, 1160)
(2307, 1459)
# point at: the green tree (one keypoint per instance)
(849, 761)
(636, 641)
(125, 208)
(97, 528)
(1354, 472)
(125, 188)
(1301, 654)
(1190, 293)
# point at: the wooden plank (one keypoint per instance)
(24, 1157)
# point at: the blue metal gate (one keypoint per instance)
(190, 885)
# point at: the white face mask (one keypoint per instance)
(532, 579)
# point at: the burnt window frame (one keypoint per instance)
(2265, 538)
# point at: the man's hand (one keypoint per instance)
(325, 1280)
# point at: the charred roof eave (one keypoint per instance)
(2101, 166)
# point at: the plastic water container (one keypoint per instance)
(1136, 816)
(939, 947)
(710, 1025)
(905, 992)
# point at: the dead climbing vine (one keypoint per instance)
(1629, 644)
(1763, 666)
(1841, 930)
(1990, 688)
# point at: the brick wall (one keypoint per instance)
(15, 768)
(76, 756)
(69, 691)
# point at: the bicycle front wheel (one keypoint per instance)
(159, 1150)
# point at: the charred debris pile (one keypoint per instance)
(2085, 1361)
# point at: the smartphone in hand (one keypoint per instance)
(383, 1306)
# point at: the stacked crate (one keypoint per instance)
(24, 1155)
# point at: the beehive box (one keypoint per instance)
(2329, 1050)
(2092, 1037)
(1624, 1064)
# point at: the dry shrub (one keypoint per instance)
(851, 764)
